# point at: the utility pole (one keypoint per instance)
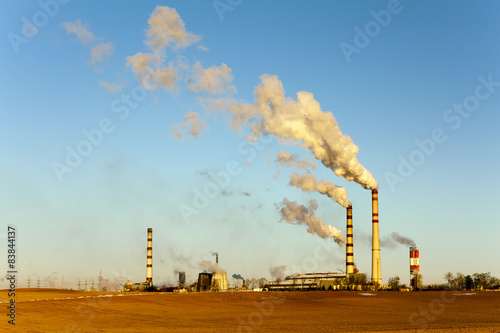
(29, 282)
(78, 284)
(38, 283)
(100, 280)
(85, 284)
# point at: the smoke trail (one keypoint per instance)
(310, 183)
(302, 122)
(291, 211)
(402, 239)
(238, 277)
(211, 267)
(285, 158)
(278, 272)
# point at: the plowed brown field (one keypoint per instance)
(52, 310)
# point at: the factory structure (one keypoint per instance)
(212, 281)
(351, 279)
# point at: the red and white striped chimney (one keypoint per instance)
(376, 276)
(149, 269)
(349, 249)
(414, 266)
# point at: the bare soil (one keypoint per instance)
(53, 310)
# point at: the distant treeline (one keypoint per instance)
(476, 281)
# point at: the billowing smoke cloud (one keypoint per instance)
(291, 212)
(213, 80)
(301, 121)
(152, 73)
(402, 239)
(81, 31)
(278, 272)
(211, 267)
(191, 127)
(101, 52)
(310, 183)
(166, 28)
(238, 277)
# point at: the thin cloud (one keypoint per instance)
(191, 127)
(101, 52)
(112, 87)
(80, 30)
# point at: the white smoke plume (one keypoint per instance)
(81, 31)
(292, 212)
(301, 121)
(211, 267)
(213, 80)
(285, 158)
(191, 127)
(402, 239)
(166, 29)
(278, 272)
(310, 183)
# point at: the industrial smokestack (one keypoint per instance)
(149, 269)
(376, 276)
(216, 257)
(349, 249)
(414, 266)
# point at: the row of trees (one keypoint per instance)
(476, 281)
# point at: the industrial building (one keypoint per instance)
(212, 282)
(216, 280)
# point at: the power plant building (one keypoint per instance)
(309, 281)
(212, 282)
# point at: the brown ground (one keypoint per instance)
(48, 310)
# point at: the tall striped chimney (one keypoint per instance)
(376, 276)
(349, 252)
(414, 267)
(149, 269)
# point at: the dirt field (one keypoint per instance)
(52, 310)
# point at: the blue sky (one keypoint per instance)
(395, 89)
